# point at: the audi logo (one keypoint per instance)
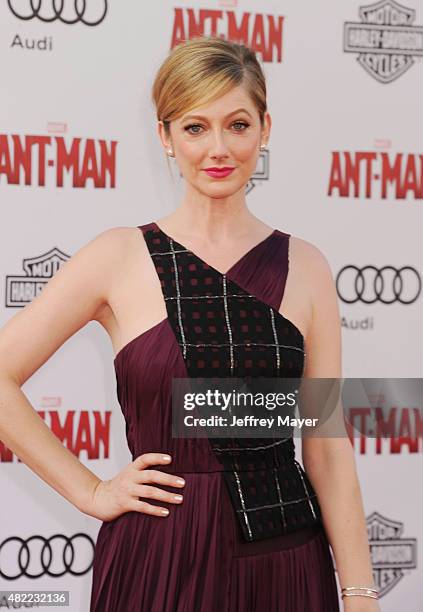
(38, 556)
(66, 11)
(370, 284)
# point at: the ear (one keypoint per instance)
(162, 134)
(266, 127)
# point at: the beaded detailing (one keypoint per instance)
(223, 331)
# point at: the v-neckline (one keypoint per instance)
(233, 266)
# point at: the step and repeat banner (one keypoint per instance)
(79, 153)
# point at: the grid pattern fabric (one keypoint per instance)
(224, 331)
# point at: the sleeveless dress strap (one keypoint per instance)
(264, 271)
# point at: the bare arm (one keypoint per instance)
(329, 461)
(72, 298)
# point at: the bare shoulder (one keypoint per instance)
(113, 251)
(118, 245)
(312, 265)
(313, 270)
(109, 251)
(309, 256)
(113, 243)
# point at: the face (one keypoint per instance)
(218, 135)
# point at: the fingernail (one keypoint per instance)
(178, 497)
(166, 457)
(180, 480)
(164, 511)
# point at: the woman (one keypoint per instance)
(204, 291)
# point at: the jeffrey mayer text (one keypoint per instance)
(284, 421)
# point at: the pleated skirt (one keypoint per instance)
(298, 577)
(195, 560)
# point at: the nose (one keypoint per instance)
(218, 148)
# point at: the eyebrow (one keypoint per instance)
(238, 110)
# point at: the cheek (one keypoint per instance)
(190, 153)
(247, 149)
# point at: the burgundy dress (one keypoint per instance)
(211, 553)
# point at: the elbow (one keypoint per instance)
(320, 455)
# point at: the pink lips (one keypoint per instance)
(219, 173)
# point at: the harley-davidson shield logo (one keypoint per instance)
(385, 40)
(20, 290)
(390, 553)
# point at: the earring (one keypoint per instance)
(262, 147)
(170, 153)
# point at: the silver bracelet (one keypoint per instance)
(359, 595)
(363, 592)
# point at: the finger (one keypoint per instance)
(146, 508)
(147, 459)
(156, 476)
(157, 493)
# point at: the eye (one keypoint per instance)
(241, 123)
(195, 125)
(188, 127)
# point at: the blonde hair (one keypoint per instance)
(202, 69)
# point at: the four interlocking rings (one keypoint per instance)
(352, 289)
(27, 553)
(56, 10)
